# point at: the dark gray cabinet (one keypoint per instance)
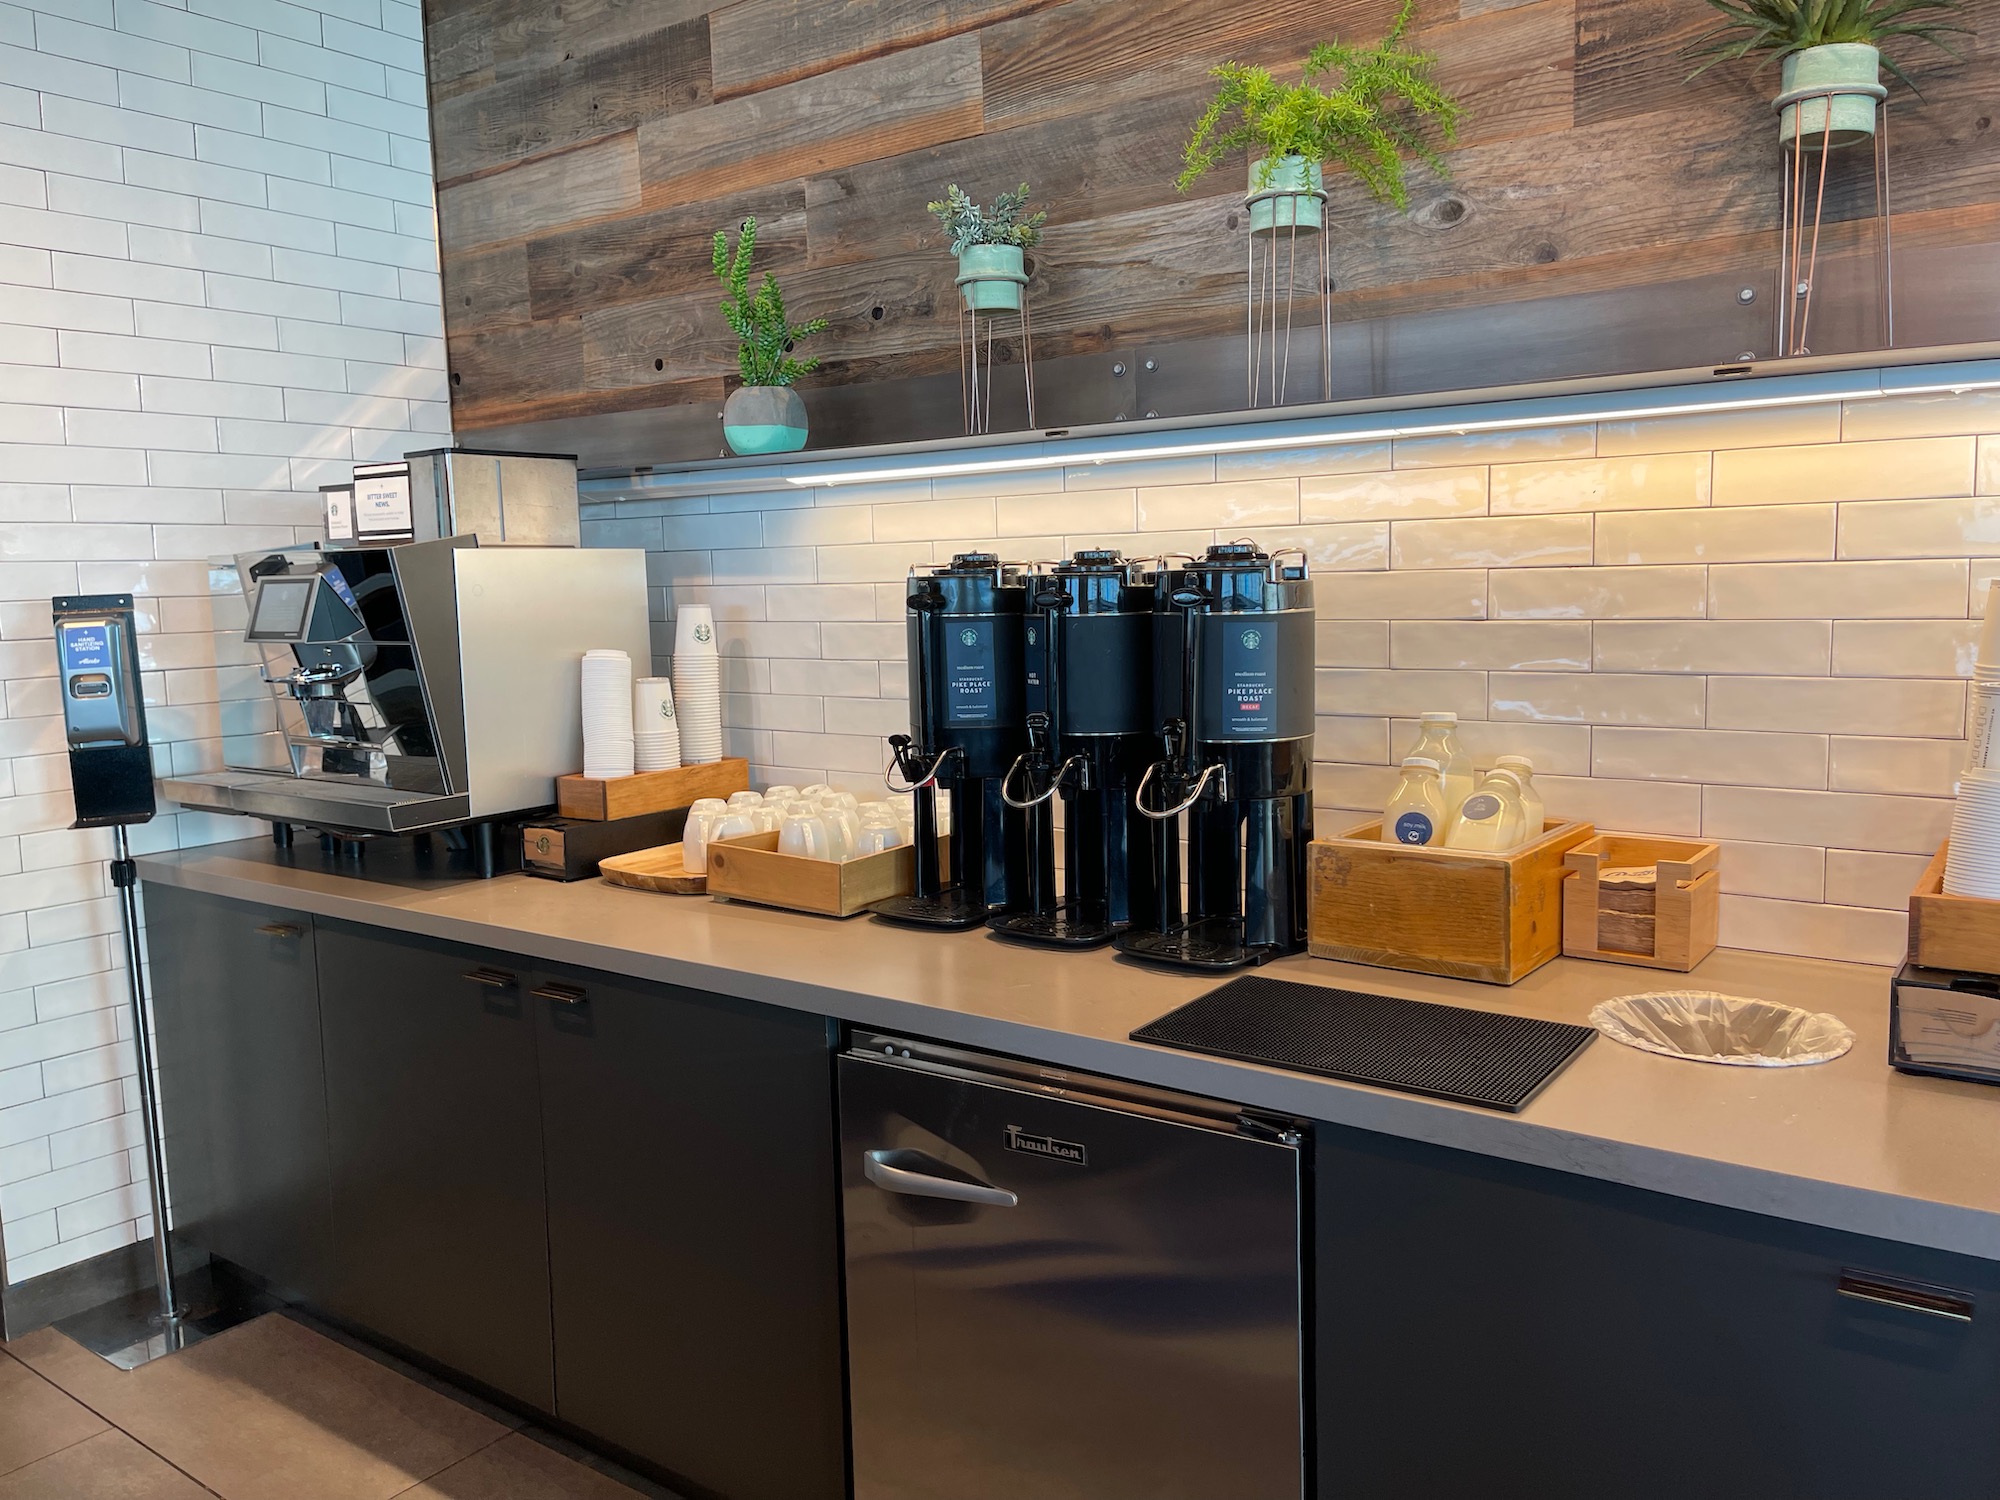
(693, 1242)
(244, 1104)
(439, 1212)
(1490, 1329)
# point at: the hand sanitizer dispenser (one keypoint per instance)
(104, 712)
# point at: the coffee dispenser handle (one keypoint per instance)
(906, 758)
(1161, 815)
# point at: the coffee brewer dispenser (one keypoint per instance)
(1233, 679)
(1090, 737)
(967, 727)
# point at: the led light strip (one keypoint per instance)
(1332, 435)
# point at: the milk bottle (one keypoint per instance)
(1437, 740)
(1416, 812)
(1534, 813)
(1492, 818)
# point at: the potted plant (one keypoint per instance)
(1828, 54)
(764, 415)
(1379, 113)
(989, 243)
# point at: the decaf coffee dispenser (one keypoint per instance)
(967, 726)
(1233, 679)
(1090, 737)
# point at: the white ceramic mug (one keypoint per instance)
(735, 823)
(877, 838)
(745, 799)
(700, 828)
(781, 794)
(770, 817)
(843, 831)
(804, 834)
(818, 788)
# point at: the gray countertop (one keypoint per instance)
(1850, 1145)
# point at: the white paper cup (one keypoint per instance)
(694, 631)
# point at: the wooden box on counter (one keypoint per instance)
(751, 869)
(1462, 913)
(1674, 927)
(1952, 932)
(649, 791)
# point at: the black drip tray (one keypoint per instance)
(1444, 1051)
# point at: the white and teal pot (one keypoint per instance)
(1293, 194)
(764, 419)
(1844, 77)
(991, 277)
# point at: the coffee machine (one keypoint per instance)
(425, 686)
(965, 626)
(1233, 680)
(1090, 730)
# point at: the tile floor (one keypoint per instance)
(270, 1410)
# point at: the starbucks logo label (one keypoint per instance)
(703, 633)
(969, 636)
(1252, 639)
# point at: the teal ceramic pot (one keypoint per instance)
(1852, 72)
(1289, 174)
(764, 419)
(991, 277)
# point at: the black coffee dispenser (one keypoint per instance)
(1233, 678)
(1090, 737)
(967, 727)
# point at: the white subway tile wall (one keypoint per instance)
(1748, 626)
(218, 288)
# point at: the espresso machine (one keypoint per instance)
(426, 686)
(1091, 735)
(1233, 681)
(965, 623)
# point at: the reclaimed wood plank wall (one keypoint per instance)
(588, 149)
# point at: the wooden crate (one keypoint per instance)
(750, 868)
(1952, 932)
(1677, 932)
(1457, 912)
(649, 791)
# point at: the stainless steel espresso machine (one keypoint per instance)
(1233, 682)
(425, 686)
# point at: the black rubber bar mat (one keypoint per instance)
(1443, 1051)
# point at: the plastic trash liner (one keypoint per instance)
(1703, 1026)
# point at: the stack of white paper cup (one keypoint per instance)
(697, 685)
(1982, 710)
(656, 733)
(607, 714)
(1972, 863)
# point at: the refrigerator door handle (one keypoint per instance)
(916, 1175)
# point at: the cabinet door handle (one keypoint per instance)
(916, 1175)
(1910, 1296)
(280, 930)
(560, 994)
(492, 979)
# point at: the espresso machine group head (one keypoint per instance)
(967, 727)
(1090, 730)
(1233, 682)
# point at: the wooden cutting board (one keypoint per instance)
(658, 869)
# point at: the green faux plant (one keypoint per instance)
(1778, 28)
(968, 224)
(765, 336)
(1379, 113)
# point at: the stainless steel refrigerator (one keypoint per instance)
(1062, 1287)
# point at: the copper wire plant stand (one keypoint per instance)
(1272, 296)
(1803, 184)
(978, 339)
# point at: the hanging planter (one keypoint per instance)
(766, 415)
(990, 277)
(1286, 193)
(1843, 77)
